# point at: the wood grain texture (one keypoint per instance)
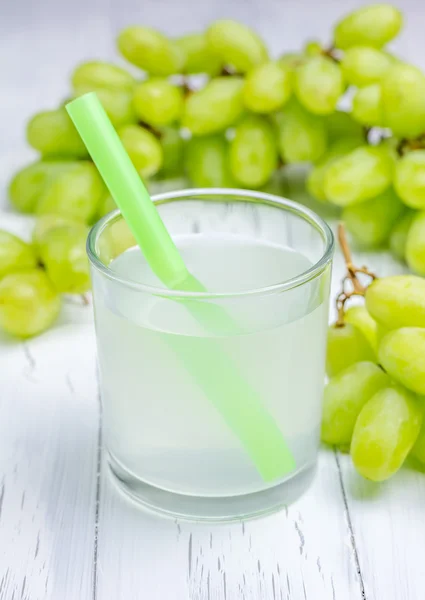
(49, 414)
(302, 552)
(386, 518)
(387, 521)
(65, 531)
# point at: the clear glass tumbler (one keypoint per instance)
(212, 400)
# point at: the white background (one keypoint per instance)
(65, 534)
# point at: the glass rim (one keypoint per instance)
(234, 195)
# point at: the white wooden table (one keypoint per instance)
(65, 531)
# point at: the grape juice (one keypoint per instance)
(159, 426)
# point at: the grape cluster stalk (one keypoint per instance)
(374, 401)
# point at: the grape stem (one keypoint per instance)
(332, 53)
(186, 87)
(351, 285)
(406, 145)
(150, 128)
(366, 133)
(227, 71)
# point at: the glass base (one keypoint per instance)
(203, 508)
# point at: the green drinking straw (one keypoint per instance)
(237, 402)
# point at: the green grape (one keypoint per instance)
(214, 108)
(107, 205)
(398, 235)
(292, 60)
(53, 133)
(29, 183)
(15, 254)
(313, 48)
(391, 146)
(302, 137)
(114, 90)
(397, 301)
(316, 177)
(63, 252)
(151, 51)
(97, 74)
(236, 45)
(367, 106)
(319, 85)
(28, 303)
(144, 149)
(267, 87)
(401, 353)
(385, 431)
(346, 345)
(207, 162)
(415, 244)
(118, 106)
(360, 318)
(344, 397)
(199, 58)
(409, 179)
(373, 25)
(418, 450)
(75, 193)
(315, 180)
(253, 152)
(370, 223)
(116, 239)
(172, 145)
(158, 102)
(44, 224)
(403, 104)
(381, 332)
(341, 125)
(362, 65)
(362, 174)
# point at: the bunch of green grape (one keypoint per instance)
(374, 401)
(215, 108)
(34, 275)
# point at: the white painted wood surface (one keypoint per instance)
(65, 531)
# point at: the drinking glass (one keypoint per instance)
(212, 400)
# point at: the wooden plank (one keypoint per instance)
(386, 519)
(48, 445)
(306, 551)
(388, 522)
(302, 552)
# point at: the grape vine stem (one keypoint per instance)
(408, 145)
(351, 284)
